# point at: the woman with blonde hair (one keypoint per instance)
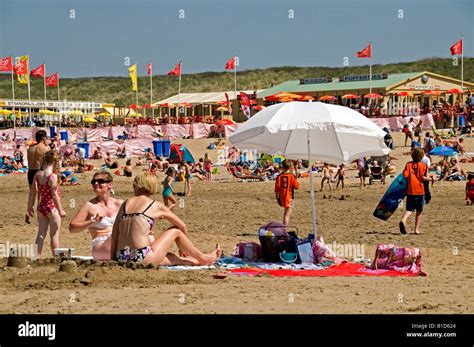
(133, 229)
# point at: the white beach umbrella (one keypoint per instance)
(313, 130)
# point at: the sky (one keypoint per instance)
(83, 38)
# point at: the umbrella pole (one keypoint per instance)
(313, 210)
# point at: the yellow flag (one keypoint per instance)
(133, 75)
(23, 78)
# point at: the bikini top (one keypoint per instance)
(138, 214)
(104, 223)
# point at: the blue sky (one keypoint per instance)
(260, 32)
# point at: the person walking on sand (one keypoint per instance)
(168, 188)
(340, 176)
(416, 172)
(285, 185)
(326, 177)
(50, 210)
(35, 154)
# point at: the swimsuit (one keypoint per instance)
(128, 254)
(138, 214)
(138, 254)
(167, 191)
(46, 204)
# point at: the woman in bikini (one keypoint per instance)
(45, 185)
(134, 225)
(98, 215)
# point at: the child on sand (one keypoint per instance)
(187, 177)
(208, 167)
(168, 189)
(340, 176)
(470, 189)
(326, 177)
(416, 172)
(50, 211)
(285, 185)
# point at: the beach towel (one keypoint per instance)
(341, 270)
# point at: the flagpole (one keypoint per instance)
(44, 80)
(60, 117)
(179, 90)
(29, 92)
(13, 95)
(136, 91)
(370, 71)
(151, 90)
(462, 65)
(235, 82)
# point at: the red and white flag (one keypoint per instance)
(149, 69)
(176, 71)
(245, 104)
(6, 64)
(20, 68)
(366, 52)
(53, 80)
(38, 72)
(230, 65)
(456, 48)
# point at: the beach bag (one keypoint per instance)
(405, 128)
(275, 238)
(392, 257)
(249, 251)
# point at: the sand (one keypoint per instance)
(228, 211)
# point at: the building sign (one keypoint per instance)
(363, 78)
(424, 87)
(316, 80)
(53, 104)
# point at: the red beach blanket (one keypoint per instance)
(341, 270)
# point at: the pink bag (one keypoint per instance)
(249, 251)
(323, 253)
(392, 257)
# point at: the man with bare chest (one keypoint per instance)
(35, 154)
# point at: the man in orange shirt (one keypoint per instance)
(285, 185)
(416, 173)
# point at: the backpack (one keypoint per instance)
(392, 257)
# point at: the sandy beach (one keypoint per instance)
(227, 211)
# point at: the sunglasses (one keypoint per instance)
(99, 181)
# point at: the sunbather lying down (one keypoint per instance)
(239, 172)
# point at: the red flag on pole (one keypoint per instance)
(20, 68)
(366, 52)
(176, 71)
(53, 80)
(230, 65)
(38, 72)
(149, 69)
(456, 48)
(6, 64)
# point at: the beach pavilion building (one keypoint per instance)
(204, 105)
(398, 94)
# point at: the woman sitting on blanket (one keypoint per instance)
(134, 225)
(98, 215)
